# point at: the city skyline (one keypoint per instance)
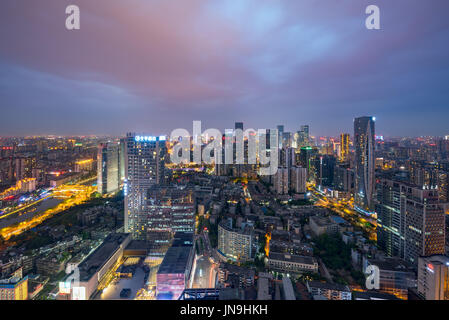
(149, 66)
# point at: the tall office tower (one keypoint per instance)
(343, 178)
(280, 129)
(290, 157)
(144, 168)
(298, 179)
(301, 137)
(323, 170)
(433, 277)
(344, 147)
(287, 157)
(267, 139)
(170, 209)
(410, 220)
(239, 125)
(108, 171)
(305, 129)
(425, 224)
(390, 209)
(287, 139)
(306, 155)
(364, 164)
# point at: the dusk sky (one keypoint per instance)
(156, 65)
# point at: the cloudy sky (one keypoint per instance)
(155, 65)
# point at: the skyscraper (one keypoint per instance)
(344, 147)
(364, 164)
(239, 125)
(305, 129)
(144, 168)
(425, 224)
(298, 179)
(108, 168)
(280, 129)
(410, 222)
(302, 137)
(281, 180)
(390, 209)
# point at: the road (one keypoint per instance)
(206, 269)
(346, 210)
(71, 195)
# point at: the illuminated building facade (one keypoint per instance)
(425, 224)
(236, 244)
(170, 209)
(306, 155)
(395, 276)
(410, 221)
(175, 272)
(14, 288)
(433, 277)
(280, 129)
(144, 168)
(344, 147)
(364, 132)
(390, 209)
(97, 270)
(85, 165)
(443, 186)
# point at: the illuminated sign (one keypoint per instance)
(64, 287)
(149, 138)
(430, 267)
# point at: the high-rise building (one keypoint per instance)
(298, 179)
(236, 244)
(170, 209)
(280, 129)
(287, 139)
(305, 130)
(410, 220)
(343, 178)
(144, 168)
(433, 277)
(306, 155)
(108, 171)
(282, 181)
(239, 125)
(344, 147)
(15, 287)
(425, 224)
(390, 209)
(323, 170)
(364, 164)
(302, 137)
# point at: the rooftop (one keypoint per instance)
(101, 255)
(292, 258)
(328, 286)
(175, 261)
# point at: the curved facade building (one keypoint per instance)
(364, 131)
